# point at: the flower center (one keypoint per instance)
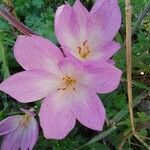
(68, 82)
(25, 120)
(83, 50)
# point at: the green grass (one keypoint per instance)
(39, 16)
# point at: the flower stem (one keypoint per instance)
(129, 60)
(11, 7)
(16, 23)
(129, 68)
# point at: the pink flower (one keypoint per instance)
(20, 131)
(68, 88)
(88, 35)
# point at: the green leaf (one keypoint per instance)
(125, 110)
(4, 68)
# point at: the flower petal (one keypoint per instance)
(105, 77)
(98, 4)
(26, 138)
(13, 140)
(103, 24)
(35, 133)
(56, 118)
(30, 135)
(82, 15)
(66, 27)
(89, 110)
(108, 50)
(9, 124)
(28, 86)
(34, 52)
(30, 111)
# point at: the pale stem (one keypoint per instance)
(129, 67)
(129, 60)
(16, 23)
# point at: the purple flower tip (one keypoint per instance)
(20, 131)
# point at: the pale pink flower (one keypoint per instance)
(88, 35)
(20, 131)
(68, 88)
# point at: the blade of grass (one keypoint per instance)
(122, 113)
(141, 17)
(98, 137)
(5, 69)
(137, 84)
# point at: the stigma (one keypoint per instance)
(83, 50)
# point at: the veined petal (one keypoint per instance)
(97, 5)
(111, 61)
(82, 15)
(26, 138)
(9, 124)
(34, 52)
(28, 86)
(105, 77)
(13, 140)
(56, 118)
(66, 27)
(108, 50)
(70, 65)
(103, 23)
(35, 133)
(89, 110)
(30, 135)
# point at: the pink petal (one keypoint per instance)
(26, 138)
(111, 61)
(30, 136)
(109, 49)
(13, 140)
(66, 26)
(56, 118)
(70, 65)
(9, 124)
(30, 111)
(103, 23)
(105, 78)
(89, 110)
(98, 4)
(28, 86)
(35, 133)
(34, 52)
(82, 14)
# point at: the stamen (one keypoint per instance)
(84, 43)
(68, 83)
(83, 50)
